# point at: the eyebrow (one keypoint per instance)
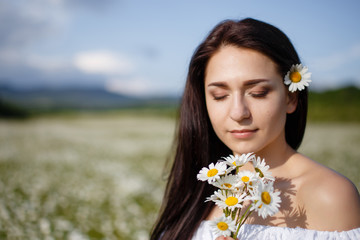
(218, 84)
(246, 83)
(254, 81)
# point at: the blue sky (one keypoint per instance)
(144, 47)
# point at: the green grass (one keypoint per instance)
(99, 176)
(339, 105)
(96, 177)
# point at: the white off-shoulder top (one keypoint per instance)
(254, 232)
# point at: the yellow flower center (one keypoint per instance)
(295, 77)
(234, 163)
(212, 172)
(265, 197)
(231, 201)
(245, 179)
(228, 185)
(222, 226)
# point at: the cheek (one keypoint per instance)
(217, 115)
(273, 113)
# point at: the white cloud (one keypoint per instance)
(48, 63)
(337, 59)
(23, 23)
(102, 62)
(26, 25)
(135, 86)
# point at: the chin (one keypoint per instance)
(245, 149)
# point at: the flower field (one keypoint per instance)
(99, 176)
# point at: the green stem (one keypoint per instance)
(242, 220)
(242, 217)
(246, 217)
(233, 214)
(226, 212)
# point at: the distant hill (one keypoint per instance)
(74, 98)
(341, 104)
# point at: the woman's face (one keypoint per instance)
(246, 100)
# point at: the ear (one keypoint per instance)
(291, 102)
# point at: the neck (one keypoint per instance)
(277, 154)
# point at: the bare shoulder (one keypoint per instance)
(331, 201)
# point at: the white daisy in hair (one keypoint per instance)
(262, 169)
(298, 77)
(226, 182)
(238, 161)
(223, 226)
(229, 200)
(212, 173)
(266, 201)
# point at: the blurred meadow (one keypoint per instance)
(82, 176)
(99, 175)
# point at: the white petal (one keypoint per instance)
(287, 81)
(292, 87)
(307, 75)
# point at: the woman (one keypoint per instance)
(235, 101)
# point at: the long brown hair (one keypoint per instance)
(196, 143)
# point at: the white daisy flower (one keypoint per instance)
(212, 198)
(212, 173)
(215, 197)
(262, 169)
(298, 77)
(223, 226)
(266, 201)
(238, 161)
(247, 178)
(226, 182)
(230, 200)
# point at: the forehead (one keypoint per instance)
(231, 62)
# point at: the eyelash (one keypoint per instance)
(261, 94)
(219, 98)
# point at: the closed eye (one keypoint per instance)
(218, 98)
(259, 94)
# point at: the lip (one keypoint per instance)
(243, 133)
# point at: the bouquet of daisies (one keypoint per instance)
(238, 188)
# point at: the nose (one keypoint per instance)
(239, 109)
